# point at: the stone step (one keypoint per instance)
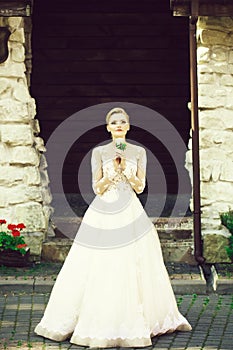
(174, 228)
(178, 251)
(56, 249)
(175, 237)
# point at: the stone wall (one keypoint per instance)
(215, 85)
(24, 192)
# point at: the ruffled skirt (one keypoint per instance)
(113, 296)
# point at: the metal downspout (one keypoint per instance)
(198, 249)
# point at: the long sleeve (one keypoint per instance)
(96, 168)
(141, 172)
(137, 177)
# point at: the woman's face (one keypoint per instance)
(118, 125)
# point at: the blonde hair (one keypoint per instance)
(115, 111)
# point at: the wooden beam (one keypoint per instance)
(22, 8)
(216, 8)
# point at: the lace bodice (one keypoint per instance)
(102, 164)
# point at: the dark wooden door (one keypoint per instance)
(97, 51)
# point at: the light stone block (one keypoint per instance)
(46, 195)
(48, 210)
(211, 90)
(207, 202)
(205, 171)
(6, 213)
(18, 35)
(225, 140)
(19, 194)
(223, 207)
(10, 174)
(34, 123)
(212, 153)
(5, 154)
(5, 85)
(31, 176)
(31, 106)
(231, 56)
(212, 102)
(229, 102)
(227, 80)
(18, 53)
(216, 171)
(43, 162)
(31, 214)
(21, 93)
(15, 22)
(219, 191)
(206, 78)
(216, 37)
(3, 199)
(227, 171)
(44, 177)
(221, 68)
(205, 68)
(39, 144)
(212, 138)
(211, 212)
(16, 134)
(34, 240)
(210, 224)
(216, 119)
(203, 54)
(210, 22)
(13, 111)
(230, 68)
(16, 70)
(23, 155)
(219, 54)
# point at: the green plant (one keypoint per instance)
(121, 146)
(227, 220)
(12, 240)
(229, 248)
(19, 343)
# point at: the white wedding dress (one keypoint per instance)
(113, 289)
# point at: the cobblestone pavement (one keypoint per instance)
(210, 316)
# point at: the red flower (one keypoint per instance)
(20, 226)
(21, 245)
(2, 221)
(15, 233)
(12, 227)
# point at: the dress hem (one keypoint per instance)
(108, 342)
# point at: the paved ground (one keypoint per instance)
(211, 318)
(25, 292)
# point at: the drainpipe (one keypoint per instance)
(198, 249)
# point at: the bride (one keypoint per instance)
(113, 289)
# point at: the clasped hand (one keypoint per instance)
(119, 163)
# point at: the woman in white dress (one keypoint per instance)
(113, 289)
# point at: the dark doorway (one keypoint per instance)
(91, 52)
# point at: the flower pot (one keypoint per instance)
(13, 258)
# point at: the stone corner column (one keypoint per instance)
(24, 190)
(215, 94)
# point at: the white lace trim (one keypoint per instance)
(168, 326)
